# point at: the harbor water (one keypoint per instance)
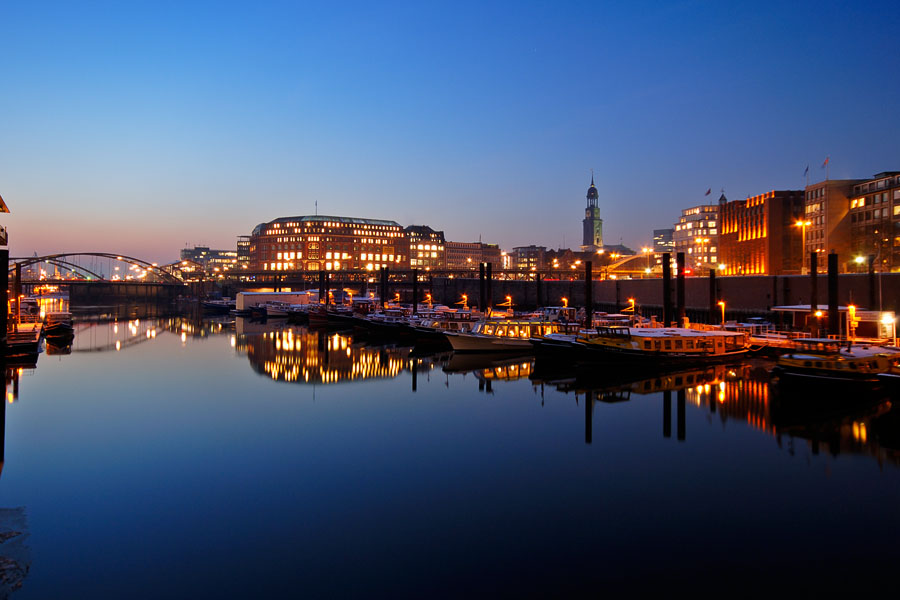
(192, 457)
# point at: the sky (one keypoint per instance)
(140, 128)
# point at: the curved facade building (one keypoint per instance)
(322, 242)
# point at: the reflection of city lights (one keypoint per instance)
(118, 345)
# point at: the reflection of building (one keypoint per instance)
(426, 247)
(697, 235)
(467, 255)
(320, 242)
(875, 220)
(592, 224)
(758, 235)
(304, 356)
(211, 259)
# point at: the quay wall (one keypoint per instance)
(745, 293)
(102, 292)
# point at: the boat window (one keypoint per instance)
(657, 345)
(678, 344)
(647, 344)
(853, 365)
(807, 363)
(489, 330)
(668, 344)
(513, 330)
(688, 344)
(874, 364)
(501, 330)
(818, 363)
(525, 331)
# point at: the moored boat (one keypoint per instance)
(828, 365)
(660, 347)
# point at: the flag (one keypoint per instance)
(3, 207)
(806, 172)
(708, 192)
(825, 164)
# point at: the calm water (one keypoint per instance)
(186, 458)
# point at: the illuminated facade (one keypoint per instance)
(211, 259)
(874, 210)
(468, 255)
(592, 223)
(758, 235)
(526, 258)
(426, 247)
(321, 242)
(697, 235)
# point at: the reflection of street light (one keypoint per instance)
(565, 302)
(721, 303)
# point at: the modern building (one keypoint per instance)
(663, 240)
(468, 255)
(592, 224)
(697, 235)
(243, 251)
(875, 222)
(210, 259)
(526, 258)
(825, 224)
(321, 242)
(426, 247)
(758, 235)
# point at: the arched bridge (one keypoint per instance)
(97, 266)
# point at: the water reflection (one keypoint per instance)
(727, 393)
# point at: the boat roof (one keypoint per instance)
(662, 332)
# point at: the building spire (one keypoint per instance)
(592, 177)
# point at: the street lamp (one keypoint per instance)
(859, 260)
(647, 252)
(721, 304)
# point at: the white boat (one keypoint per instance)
(508, 335)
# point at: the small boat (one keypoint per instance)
(833, 366)
(507, 335)
(58, 325)
(656, 348)
(224, 305)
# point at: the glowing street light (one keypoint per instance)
(721, 304)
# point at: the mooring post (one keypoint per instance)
(415, 290)
(834, 320)
(679, 287)
(871, 305)
(537, 285)
(588, 293)
(489, 283)
(667, 288)
(482, 289)
(813, 291)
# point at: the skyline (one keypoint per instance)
(140, 129)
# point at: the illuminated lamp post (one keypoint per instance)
(721, 304)
(646, 251)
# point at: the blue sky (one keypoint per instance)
(136, 128)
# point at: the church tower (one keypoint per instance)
(593, 224)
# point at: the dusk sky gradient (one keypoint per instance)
(136, 128)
